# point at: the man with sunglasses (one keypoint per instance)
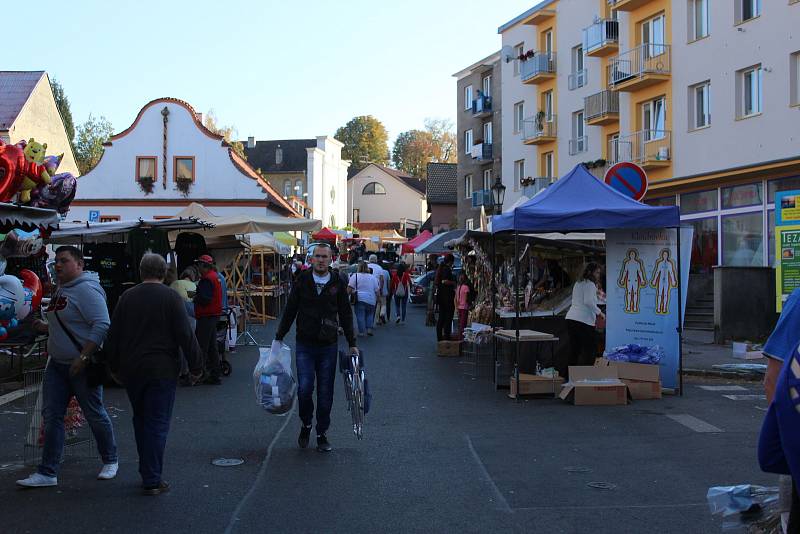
(320, 303)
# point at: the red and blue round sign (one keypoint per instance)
(627, 178)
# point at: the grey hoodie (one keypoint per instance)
(81, 306)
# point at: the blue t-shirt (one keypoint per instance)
(785, 337)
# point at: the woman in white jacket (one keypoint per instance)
(582, 316)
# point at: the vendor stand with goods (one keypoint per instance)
(643, 310)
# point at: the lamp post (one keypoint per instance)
(498, 195)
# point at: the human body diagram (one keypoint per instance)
(632, 278)
(663, 280)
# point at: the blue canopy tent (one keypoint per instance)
(579, 201)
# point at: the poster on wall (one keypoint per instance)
(787, 208)
(642, 293)
(787, 268)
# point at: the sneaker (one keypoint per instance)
(369, 332)
(305, 435)
(323, 445)
(108, 471)
(38, 480)
(397, 321)
(162, 487)
(212, 381)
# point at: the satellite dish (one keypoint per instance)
(507, 53)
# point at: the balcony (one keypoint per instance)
(482, 107)
(577, 79)
(601, 38)
(650, 149)
(601, 108)
(639, 67)
(541, 16)
(482, 152)
(578, 145)
(542, 66)
(626, 5)
(482, 197)
(534, 186)
(539, 129)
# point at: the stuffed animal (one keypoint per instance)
(34, 153)
(14, 169)
(18, 298)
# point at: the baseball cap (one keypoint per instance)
(205, 258)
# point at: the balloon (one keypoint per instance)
(12, 303)
(33, 290)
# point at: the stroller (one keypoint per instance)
(224, 322)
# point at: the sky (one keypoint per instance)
(272, 69)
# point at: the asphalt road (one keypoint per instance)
(442, 453)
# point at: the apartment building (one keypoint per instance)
(703, 95)
(478, 123)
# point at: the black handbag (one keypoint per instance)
(97, 372)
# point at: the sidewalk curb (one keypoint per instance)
(714, 373)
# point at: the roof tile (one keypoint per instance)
(442, 186)
(15, 89)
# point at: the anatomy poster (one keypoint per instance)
(642, 291)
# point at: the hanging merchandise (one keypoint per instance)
(189, 246)
(113, 266)
(142, 240)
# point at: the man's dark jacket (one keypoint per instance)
(317, 314)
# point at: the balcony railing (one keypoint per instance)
(648, 148)
(482, 197)
(482, 105)
(578, 145)
(626, 5)
(602, 104)
(482, 152)
(539, 128)
(533, 186)
(540, 63)
(639, 62)
(599, 35)
(577, 79)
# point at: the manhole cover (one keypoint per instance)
(577, 470)
(227, 462)
(602, 485)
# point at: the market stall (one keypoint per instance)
(268, 280)
(578, 202)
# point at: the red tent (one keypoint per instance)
(325, 235)
(412, 244)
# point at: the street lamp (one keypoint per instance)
(498, 194)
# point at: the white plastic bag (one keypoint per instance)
(275, 386)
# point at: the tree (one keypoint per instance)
(444, 139)
(414, 149)
(228, 133)
(62, 103)
(89, 140)
(365, 141)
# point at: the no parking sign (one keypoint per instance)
(627, 178)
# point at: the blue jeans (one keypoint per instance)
(365, 316)
(400, 306)
(57, 388)
(151, 401)
(320, 363)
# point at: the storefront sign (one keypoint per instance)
(642, 292)
(787, 208)
(787, 273)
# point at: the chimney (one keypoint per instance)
(251, 142)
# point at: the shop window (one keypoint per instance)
(782, 184)
(704, 245)
(146, 168)
(742, 240)
(183, 168)
(771, 237)
(740, 196)
(373, 188)
(699, 202)
(661, 201)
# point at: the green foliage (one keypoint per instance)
(365, 141)
(62, 103)
(89, 140)
(228, 133)
(414, 149)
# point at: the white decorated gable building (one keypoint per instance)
(165, 160)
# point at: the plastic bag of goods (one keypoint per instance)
(274, 384)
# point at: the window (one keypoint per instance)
(468, 186)
(356, 215)
(698, 202)
(748, 91)
(486, 84)
(468, 97)
(373, 188)
(146, 168)
(518, 51)
(783, 184)
(468, 142)
(794, 79)
(661, 201)
(698, 19)
(653, 36)
(287, 188)
(487, 179)
(742, 240)
(578, 76)
(519, 116)
(487, 132)
(519, 173)
(613, 147)
(469, 224)
(700, 105)
(653, 119)
(578, 143)
(278, 156)
(547, 41)
(747, 9)
(547, 165)
(547, 105)
(298, 188)
(739, 196)
(183, 168)
(109, 218)
(704, 245)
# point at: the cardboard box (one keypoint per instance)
(594, 386)
(535, 385)
(449, 348)
(643, 379)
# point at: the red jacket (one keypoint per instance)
(405, 280)
(208, 303)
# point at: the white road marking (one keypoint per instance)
(692, 422)
(723, 388)
(745, 397)
(11, 397)
(500, 501)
